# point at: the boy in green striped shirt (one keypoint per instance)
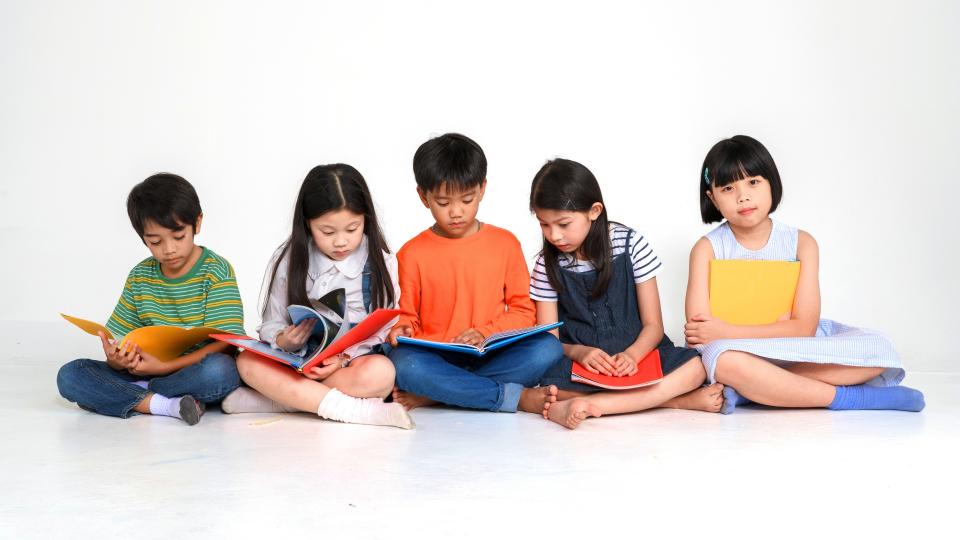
(180, 284)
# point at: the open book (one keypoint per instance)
(331, 334)
(164, 342)
(752, 292)
(648, 372)
(492, 343)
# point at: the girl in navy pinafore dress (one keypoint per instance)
(599, 278)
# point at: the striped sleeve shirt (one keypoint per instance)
(206, 296)
(646, 264)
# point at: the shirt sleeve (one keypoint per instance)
(646, 264)
(224, 308)
(540, 288)
(519, 312)
(275, 317)
(125, 317)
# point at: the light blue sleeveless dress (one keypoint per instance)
(834, 343)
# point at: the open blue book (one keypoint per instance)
(492, 343)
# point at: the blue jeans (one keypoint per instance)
(95, 386)
(492, 382)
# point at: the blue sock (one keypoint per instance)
(731, 399)
(862, 397)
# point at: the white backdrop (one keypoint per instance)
(857, 102)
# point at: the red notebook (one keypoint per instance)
(648, 372)
(366, 328)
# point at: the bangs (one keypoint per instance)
(736, 163)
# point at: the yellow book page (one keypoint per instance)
(752, 292)
(164, 342)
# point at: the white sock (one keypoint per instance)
(248, 400)
(338, 406)
(141, 384)
(185, 408)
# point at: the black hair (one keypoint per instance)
(733, 159)
(166, 199)
(328, 188)
(452, 159)
(562, 184)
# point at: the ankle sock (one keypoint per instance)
(185, 408)
(863, 397)
(731, 399)
(338, 406)
(248, 400)
(141, 384)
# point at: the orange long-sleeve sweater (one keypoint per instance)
(480, 281)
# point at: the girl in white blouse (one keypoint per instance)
(335, 242)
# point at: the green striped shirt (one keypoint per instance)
(206, 296)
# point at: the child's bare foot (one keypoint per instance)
(569, 413)
(536, 400)
(410, 401)
(705, 398)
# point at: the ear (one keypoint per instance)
(710, 196)
(423, 197)
(196, 226)
(483, 189)
(594, 212)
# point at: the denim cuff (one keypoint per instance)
(511, 397)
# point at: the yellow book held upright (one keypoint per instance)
(164, 342)
(752, 292)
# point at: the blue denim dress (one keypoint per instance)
(610, 322)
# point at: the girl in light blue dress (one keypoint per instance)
(800, 360)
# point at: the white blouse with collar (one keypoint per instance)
(323, 275)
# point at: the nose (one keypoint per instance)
(169, 247)
(742, 193)
(339, 240)
(555, 234)
(456, 210)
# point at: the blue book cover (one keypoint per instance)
(492, 343)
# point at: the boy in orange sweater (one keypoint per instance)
(465, 280)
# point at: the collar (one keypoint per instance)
(350, 267)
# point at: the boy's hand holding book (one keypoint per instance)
(118, 359)
(399, 330)
(470, 336)
(148, 365)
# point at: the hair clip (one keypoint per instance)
(706, 176)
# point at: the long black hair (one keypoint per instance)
(328, 188)
(562, 184)
(733, 159)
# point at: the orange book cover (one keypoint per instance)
(648, 372)
(164, 342)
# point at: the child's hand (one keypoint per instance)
(625, 364)
(596, 361)
(399, 330)
(117, 358)
(470, 336)
(703, 329)
(294, 337)
(147, 365)
(329, 367)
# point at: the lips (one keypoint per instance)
(746, 211)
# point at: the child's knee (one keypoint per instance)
(376, 372)
(220, 367)
(729, 367)
(70, 376)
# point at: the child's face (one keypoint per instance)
(745, 202)
(567, 229)
(174, 248)
(454, 212)
(337, 234)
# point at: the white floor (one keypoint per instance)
(67, 473)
